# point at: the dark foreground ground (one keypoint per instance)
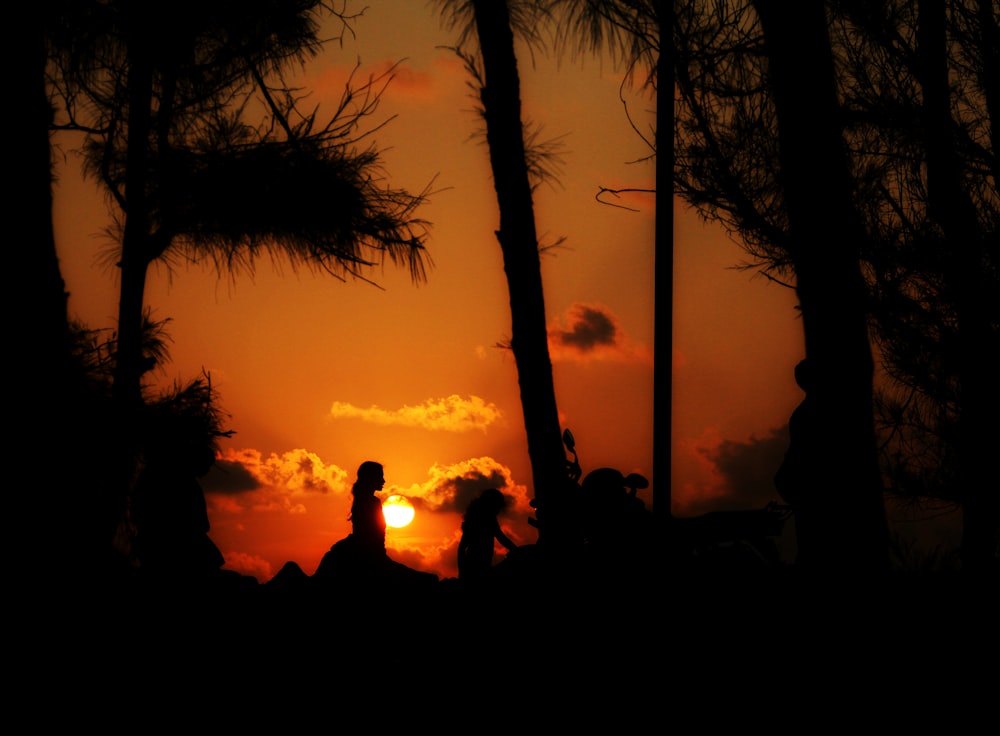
(625, 654)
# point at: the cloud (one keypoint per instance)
(591, 332)
(406, 80)
(439, 558)
(396, 80)
(284, 482)
(590, 327)
(265, 511)
(749, 467)
(451, 414)
(246, 564)
(229, 476)
(452, 487)
(245, 479)
(736, 475)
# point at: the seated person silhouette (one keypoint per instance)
(480, 527)
(361, 557)
(169, 510)
(367, 520)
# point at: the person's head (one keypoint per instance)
(490, 502)
(371, 477)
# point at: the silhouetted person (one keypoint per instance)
(795, 480)
(169, 510)
(480, 527)
(367, 520)
(360, 559)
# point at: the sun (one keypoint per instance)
(398, 511)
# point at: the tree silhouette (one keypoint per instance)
(926, 97)
(499, 82)
(759, 148)
(824, 232)
(44, 408)
(206, 153)
(632, 31)
(923, 244)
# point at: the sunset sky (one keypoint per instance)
(319, 375)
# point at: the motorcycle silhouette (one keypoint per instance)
(595, 522)
(598, 524)
(602, 515)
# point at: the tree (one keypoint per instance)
(639, 29)
(43, 405)
(923, 94)
(917, 153)
(206, 153)
(632, 32)
(168, 98)
(759, 149)
(41, 264)
(492, 24)
(846, 511)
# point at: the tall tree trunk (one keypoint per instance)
(51, 417)
(42, 319)
(842, 520)
(988, 15)
(134, 263)
(40, 329)
(134, 256)
(949, 205)
(501, 98)
(663, 268)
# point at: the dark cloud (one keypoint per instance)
(469, 486)
(454, 488)
(588, 332)
(589, 328)
(748, 470)
(229, 478)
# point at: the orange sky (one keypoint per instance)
(319, 375)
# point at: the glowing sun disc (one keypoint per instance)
(398, 512)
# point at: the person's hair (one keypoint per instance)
(368, 472)
(488, 504)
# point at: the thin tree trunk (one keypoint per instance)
(989, 51)
(134, 257)
(52, 419)
(40, 328)
(501, 99)
(663, 270)
(841, 522)
(134, 263)
(45, 315)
